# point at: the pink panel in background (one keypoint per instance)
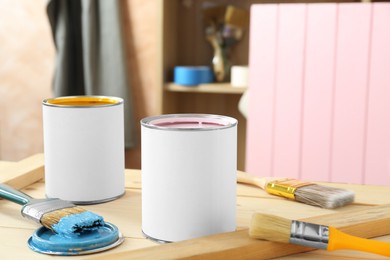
(262, 81)
(350, 92)
(318, 91)
(288, 89)
(377, 170)
(319, 100)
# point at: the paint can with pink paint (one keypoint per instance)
(189, 164)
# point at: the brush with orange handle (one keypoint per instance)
(278, 229)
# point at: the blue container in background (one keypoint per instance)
(193, 75)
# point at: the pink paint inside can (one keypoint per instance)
(189, 122)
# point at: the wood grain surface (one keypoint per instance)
(362, 218)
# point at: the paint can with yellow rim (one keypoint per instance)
(84, 148)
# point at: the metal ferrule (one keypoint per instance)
(285, 187)
(310, 235)
(37, 208)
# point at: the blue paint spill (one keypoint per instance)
(76, 224)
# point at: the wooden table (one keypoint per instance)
(126, 214)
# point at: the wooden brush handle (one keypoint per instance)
(340, 240)
(246, 178)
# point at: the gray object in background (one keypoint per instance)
(91, 57)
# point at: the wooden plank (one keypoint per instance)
(23, 173)
(377, 166)
(288, 90)
(126, 214)
(350, 92)
(366, 223)
(261, 89)
(4, 164)
(369, 222)
(318, 91)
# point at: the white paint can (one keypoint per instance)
(84, 148)
(189, 165)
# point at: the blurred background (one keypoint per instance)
(155, 36)
(27, 65)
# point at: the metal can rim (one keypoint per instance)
(119, 101)
(229, 122)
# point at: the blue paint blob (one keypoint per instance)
(75, 224)
(46, 241)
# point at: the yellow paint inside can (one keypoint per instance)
(83, 101)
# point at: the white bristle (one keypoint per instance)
(269, 227)
(323, 196)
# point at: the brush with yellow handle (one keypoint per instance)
(301, 191)
(278, 229)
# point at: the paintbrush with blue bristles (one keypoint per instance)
(63, 217)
